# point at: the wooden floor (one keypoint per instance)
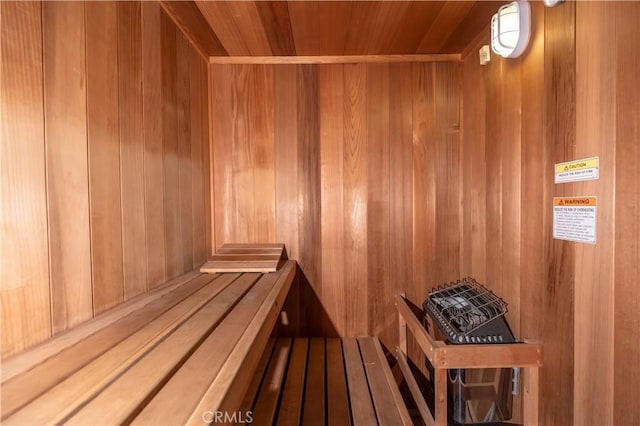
(318, 381)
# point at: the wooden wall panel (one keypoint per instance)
(626, 321)
(130, 109)
(355, 180)
(67, 169)
(380, 293)
(170, 158)
(82, 132)
(104, 156)
(594, 272)
(24, 257)
(183, 92)
(152, 96)
(355, 198)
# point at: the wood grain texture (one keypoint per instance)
(329, 173)
(185, 164)
(331, 91)
(153, 136)
(189, 19)
(170, 147)
(290, 411)
(130, 108)
(93, 96)
(595, 265)
(338, 398)
(104, 156)
(279, 34)
(626, 370)
(556, 380)
(378, 285)
(316, 387)
(197, 102)
(355, 199)
(67, 169)
(24, 262)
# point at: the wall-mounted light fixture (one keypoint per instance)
(552, 3)
(510, 29)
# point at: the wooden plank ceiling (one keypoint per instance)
(289, 28)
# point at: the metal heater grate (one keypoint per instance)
(468, 312)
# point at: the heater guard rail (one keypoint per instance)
(443, 357)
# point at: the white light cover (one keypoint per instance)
(552, 3)
(510, 29)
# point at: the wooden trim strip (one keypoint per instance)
(23, 362)
(421, 404)
(489, 356)
(426, 343)
(344, 59)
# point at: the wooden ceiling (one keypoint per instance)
(302, 28)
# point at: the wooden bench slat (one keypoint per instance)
(290, 410)
(172, 405)
(234, 257)
(256, 380)
(264, 410)
(227, 390)
(386, 408)
(314, 398)
(63, 399)
(23, 388)
(131, 390)
(337, 398)
(362, 408)
(259, 251)
(393, 385)
(18, 364)
(222, 266)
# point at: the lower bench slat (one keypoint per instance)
(359, 385)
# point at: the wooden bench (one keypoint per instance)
(320, 381)
(166, 358)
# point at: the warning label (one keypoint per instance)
(574, 219)
(578, 170)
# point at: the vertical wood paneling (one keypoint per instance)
(131, 148)
(196, 98)
(153, 136)
(309, 202)
(104, 156)
(557, 375)
(24, 263)
(400, 186)
(331, 92)
(424, 190)
(626, 374)
(221, 146)
(261, 117)
(447, 169)
(183, 91)
(207, 159)
(379, 291)
(241, 147)
(534, 169)
(355, 199)
(511, 198)
(286, 157)
(83, 93)
(67, 169)
(170, 147)
(346, 199)
(594, 272)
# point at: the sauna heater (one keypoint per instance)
(466, 312)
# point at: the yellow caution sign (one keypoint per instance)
(577, 170)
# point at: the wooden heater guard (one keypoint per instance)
(442, 356)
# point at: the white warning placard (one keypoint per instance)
(578, 170)
(574, 219)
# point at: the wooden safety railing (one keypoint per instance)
(444, 357)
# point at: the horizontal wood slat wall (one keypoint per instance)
(101, 201)
(341, 162)
(570, 96)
